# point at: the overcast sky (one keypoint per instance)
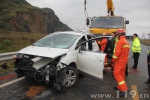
(71, 12)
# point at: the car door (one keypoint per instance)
(91, 62)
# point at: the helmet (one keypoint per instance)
(120, 32)
(104, 34)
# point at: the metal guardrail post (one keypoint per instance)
(7, 56)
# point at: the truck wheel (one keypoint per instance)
(71, 77)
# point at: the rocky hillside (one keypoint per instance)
(19, 15)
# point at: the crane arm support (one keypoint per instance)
(110, 7)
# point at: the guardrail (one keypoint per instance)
(7, 56)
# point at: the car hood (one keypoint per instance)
(43, 51)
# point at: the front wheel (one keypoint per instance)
(71, 77)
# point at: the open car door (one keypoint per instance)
(91, 62)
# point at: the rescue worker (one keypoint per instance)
(113, 41)
(148, 64)
(111, 64)
(136, 49)
(120, 59)
(116, 40)
(103, 44)
(111, 47)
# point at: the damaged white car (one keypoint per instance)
(60, 57)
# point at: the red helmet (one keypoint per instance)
(120, 32)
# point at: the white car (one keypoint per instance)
(59, 57)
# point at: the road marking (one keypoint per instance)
(136, 97)
(11, 82)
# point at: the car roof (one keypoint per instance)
(74, 32)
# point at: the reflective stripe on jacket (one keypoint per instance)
(116, 40)
(136, 46)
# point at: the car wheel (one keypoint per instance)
(71, 77)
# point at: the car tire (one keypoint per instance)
(71, 77)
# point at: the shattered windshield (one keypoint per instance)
(57, 40)
(107, 22)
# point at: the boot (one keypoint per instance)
(115, 87)
(147, 83)
(104, 72)
(122, 94)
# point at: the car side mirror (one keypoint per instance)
(127, 22)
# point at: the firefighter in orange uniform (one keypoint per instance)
(120, 59)
(103, 44)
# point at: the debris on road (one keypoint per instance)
(35, 90)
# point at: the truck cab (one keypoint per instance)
(108, 24)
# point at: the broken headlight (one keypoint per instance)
(19, 55)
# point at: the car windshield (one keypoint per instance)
(57, 40)
(107, 22)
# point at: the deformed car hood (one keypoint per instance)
(43, 51)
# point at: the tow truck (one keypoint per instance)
(108, 24)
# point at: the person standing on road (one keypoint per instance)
(103, 44)
(120, 59)
(136, 49)
(104, 48)
(111, 47)
(148, 64)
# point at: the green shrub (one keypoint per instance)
(1, 46)
(7, 42)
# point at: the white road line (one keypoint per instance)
(11, 82)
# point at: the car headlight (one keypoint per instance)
(19, 55)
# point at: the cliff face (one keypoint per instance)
(18, 15)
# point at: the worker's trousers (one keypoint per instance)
(136, 58)
(119, 74)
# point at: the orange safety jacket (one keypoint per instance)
(103, 44)
(121, 50)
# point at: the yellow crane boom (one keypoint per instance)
(110, 7)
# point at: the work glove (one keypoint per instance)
(112, 62)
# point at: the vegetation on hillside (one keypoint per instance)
(19, 15)
(11, 41)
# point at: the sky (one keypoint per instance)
(72, 13)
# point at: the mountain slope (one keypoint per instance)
(19, 15)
